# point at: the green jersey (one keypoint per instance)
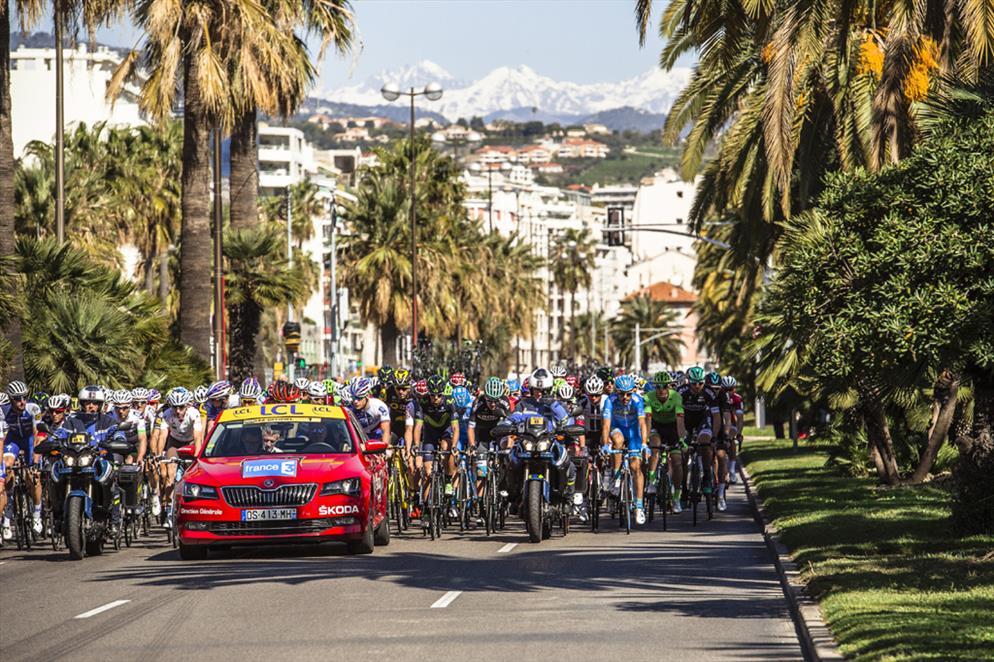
(664, 412)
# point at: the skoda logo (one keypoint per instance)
(268, 483)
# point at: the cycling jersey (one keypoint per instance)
(698, 407)
(132, 426)
(483, 419)
(624, 418)
(398, 412)
(20, 433)
(436, 420)
(590, 417)
(371, 417)
(664, 411)
(181, 428)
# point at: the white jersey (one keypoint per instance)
(372, 417)
(181, 428)
(134, 421)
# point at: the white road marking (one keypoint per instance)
(2, 562)
(100, 610)
(446, 600)
(507, 548)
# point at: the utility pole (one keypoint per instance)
(60, 151)
(219, 366)
(334, 288)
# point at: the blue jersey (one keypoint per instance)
(619, 416)
(20, 433)
(554, 412)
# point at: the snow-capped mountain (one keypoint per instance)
(505, 91)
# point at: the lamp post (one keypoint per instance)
(490, 169)
(471, 138)
(390, 92)
(60, 152)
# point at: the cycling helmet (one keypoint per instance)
(154, 396)
(421, 388)
(640, 383)
(360, 388)
(178, 397)
(494, 388)
(447, 391)
(122, 398)
(461, 397)
(4, 399)
(250, 389)
(624, 383)
(713, 379)
(91, 394)
(728, 382)
(696, 375)
(565, 392)
(436, 385)
(384, 375)
(58, 401)
(594, 385)
(679, 377)
(402, 377)
(573, 381)
(220, 389)
(317, 390)
(344, 394)
(513, 385)
(541, 379)
(17, 389)
(458, 379)
(39, 398)
(330, 385)
(662, 378)
(302, 383)
(285, 392)
(605, 373)
(558, 371)
(200, 394)
(140, 394)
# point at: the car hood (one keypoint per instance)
(273, 470)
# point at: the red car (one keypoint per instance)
(283, 473)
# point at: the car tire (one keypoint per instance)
(192, 552)
(365, 544)
(381, 536)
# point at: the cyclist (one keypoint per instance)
(250, 392)
(21, 429)
(218, 399)
(316, 393)
(436, 428)
(200, 398)
(488, 410)
(181, 425)
(283, 391)
(513, 393)
(384, 378)
(398, 398)
(6, 533)
(702, 416)
(371, 413)
(56, 408)
(664, 407)
(130, 422)
(624, 427)
(141, 402)
(732, 402)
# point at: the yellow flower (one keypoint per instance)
(802, 98)
(925, 63)
(871, 56)
(767, 54)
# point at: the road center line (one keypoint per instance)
(2, 562)
(100, 610)
(507, 548)
(446, 600)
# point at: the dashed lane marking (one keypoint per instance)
(507, 548)
(446, 600)
(102, 609)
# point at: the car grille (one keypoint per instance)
(275, 527)
(284, 495)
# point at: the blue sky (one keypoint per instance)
(577, 40)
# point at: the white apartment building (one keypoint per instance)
(86, 75)
(616, 195)
(285, 158)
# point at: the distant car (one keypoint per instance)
(283, 473)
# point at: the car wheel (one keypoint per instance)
(365, 544)
(381, 536)
(192, 552)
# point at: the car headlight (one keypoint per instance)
(194, 491)
(348, 486)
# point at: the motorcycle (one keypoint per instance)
(83, 480)
(545, 466)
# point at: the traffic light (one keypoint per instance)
(291, 336)
(614, 234)
(301, 363)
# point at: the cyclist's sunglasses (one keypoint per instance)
(140, 403)
(60, 410)
(120, 407)
(18, 398)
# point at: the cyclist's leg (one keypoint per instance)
(707, 455)
(655, 442)
(722, 461)
(617, 444)
(426, 458)
(733, 454)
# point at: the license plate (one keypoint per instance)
(269, 514)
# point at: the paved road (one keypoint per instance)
(604, 597)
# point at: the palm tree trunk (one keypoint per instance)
(943, 408)
(388, 342)
(163, 259)
(148, 264)
(878, 432)
(244, 172)
(244, 322)
(195, 239)
(12, 330)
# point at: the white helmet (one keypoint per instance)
(92, 393)
(58, 401)
(302, 383)
(728, 382)
(565, 392)
(122, 397)
(594, 385)
(179, 397)
(317, 390)
(540, 379)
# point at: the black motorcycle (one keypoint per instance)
(544, 468)
(84, 494)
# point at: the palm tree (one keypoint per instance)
(572, 261)
(590, 328)
(647, 313)
(257, 277)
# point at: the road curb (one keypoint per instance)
(816, 639)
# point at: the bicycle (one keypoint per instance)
(24, 534)
(399, 490)
(625, 500)
(465, 496)
(699, 481)
(664, 487)
(434, 509)
(171, 531)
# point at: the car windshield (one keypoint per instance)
(283, 437)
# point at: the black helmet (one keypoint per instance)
(436, 385)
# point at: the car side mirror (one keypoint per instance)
(375, 446)
(187, 452)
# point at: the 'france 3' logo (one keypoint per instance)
(257, 468)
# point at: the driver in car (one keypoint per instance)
(269, 439)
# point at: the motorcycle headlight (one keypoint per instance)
(536, 445)
(85, 460)
(194, 491)
(348, 487)
(69, 460)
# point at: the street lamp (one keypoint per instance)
(490, 169)
(471, 138)
(390, 92)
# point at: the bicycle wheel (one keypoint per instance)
(709, 492)
(694, 486)
(666, 498)
(126, 526)
(594, 499)
(650, 504)
(23, 515)
(625, 502)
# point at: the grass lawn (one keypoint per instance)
(892, 580)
